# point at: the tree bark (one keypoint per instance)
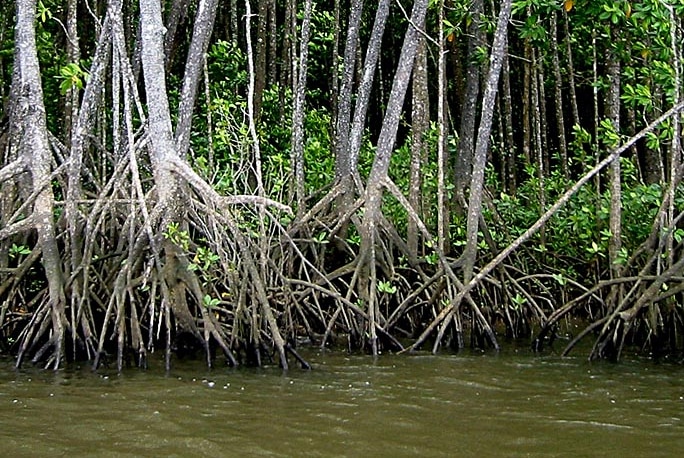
(297, 155)
(420, 118)
(343, 166)
(466, 143)
(482, 146)
(378, 174)
(558, 97)
(369, 68)
(261, 48)
(613, 114)
(174, 20)
(194, 64)
(28, 114)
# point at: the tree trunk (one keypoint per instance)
(343, 166)
(571, 69)
(510, 150)
(174, 20)
(378, 174)
(272, 42)
(297, 155)
(558, 97)
(203, 26)
(538, 143)
(443, 215)
(73, 58)
(466, 143)
(369, 67)
(613, 114)
(28, 116)
(260, 60)
(482, 146)
(419, 125)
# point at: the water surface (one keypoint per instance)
(406, 405)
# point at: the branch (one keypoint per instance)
(12, 169)
(181, 168)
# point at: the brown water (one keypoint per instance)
(408, 405)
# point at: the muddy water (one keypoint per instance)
(417, 405)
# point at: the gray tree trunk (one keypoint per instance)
(343, 166)
(613, 114)
(260, 60)
(297, 154)
(378, 174)
(482, 146)
(558, 97)
(420, 118)
(204, 24)
(466, 143)
(175, 18)
(28, 116)
(369, 67)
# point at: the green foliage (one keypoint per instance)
(210, 302)
(17, 251)
(615, 11)
(177, 236)
(320, 45)
(319, 159)
(227, 67)
(203, 260)
(72, 76)
(518, 302)
(321, 238)
(43, 12)
(577, 236)
(608, 133)
(386, 287)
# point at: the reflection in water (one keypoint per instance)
(417, 405)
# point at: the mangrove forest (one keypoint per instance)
(235, 179)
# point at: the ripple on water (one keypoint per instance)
(418, 405)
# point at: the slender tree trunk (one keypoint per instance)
(28, 115)
(5, 27)
(272, 42)
(288, 50)
(234, 27)
(595, 100)
(203, 26)
(510, 150)
(335, 77)
(538, 143)
(526, 104)
(466, 144)
(543, 118)
(73, 58)
(676, 145)
(175, 18)
(370, 65)
(613, 114)
(496, 58)
(343, 166)
(571, 69)
(83, 130)
(419, 126)
(298, 110)
(443, 216)
(260, 60)
(558, 97)
(378, 174)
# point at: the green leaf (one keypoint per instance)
(560, 279)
